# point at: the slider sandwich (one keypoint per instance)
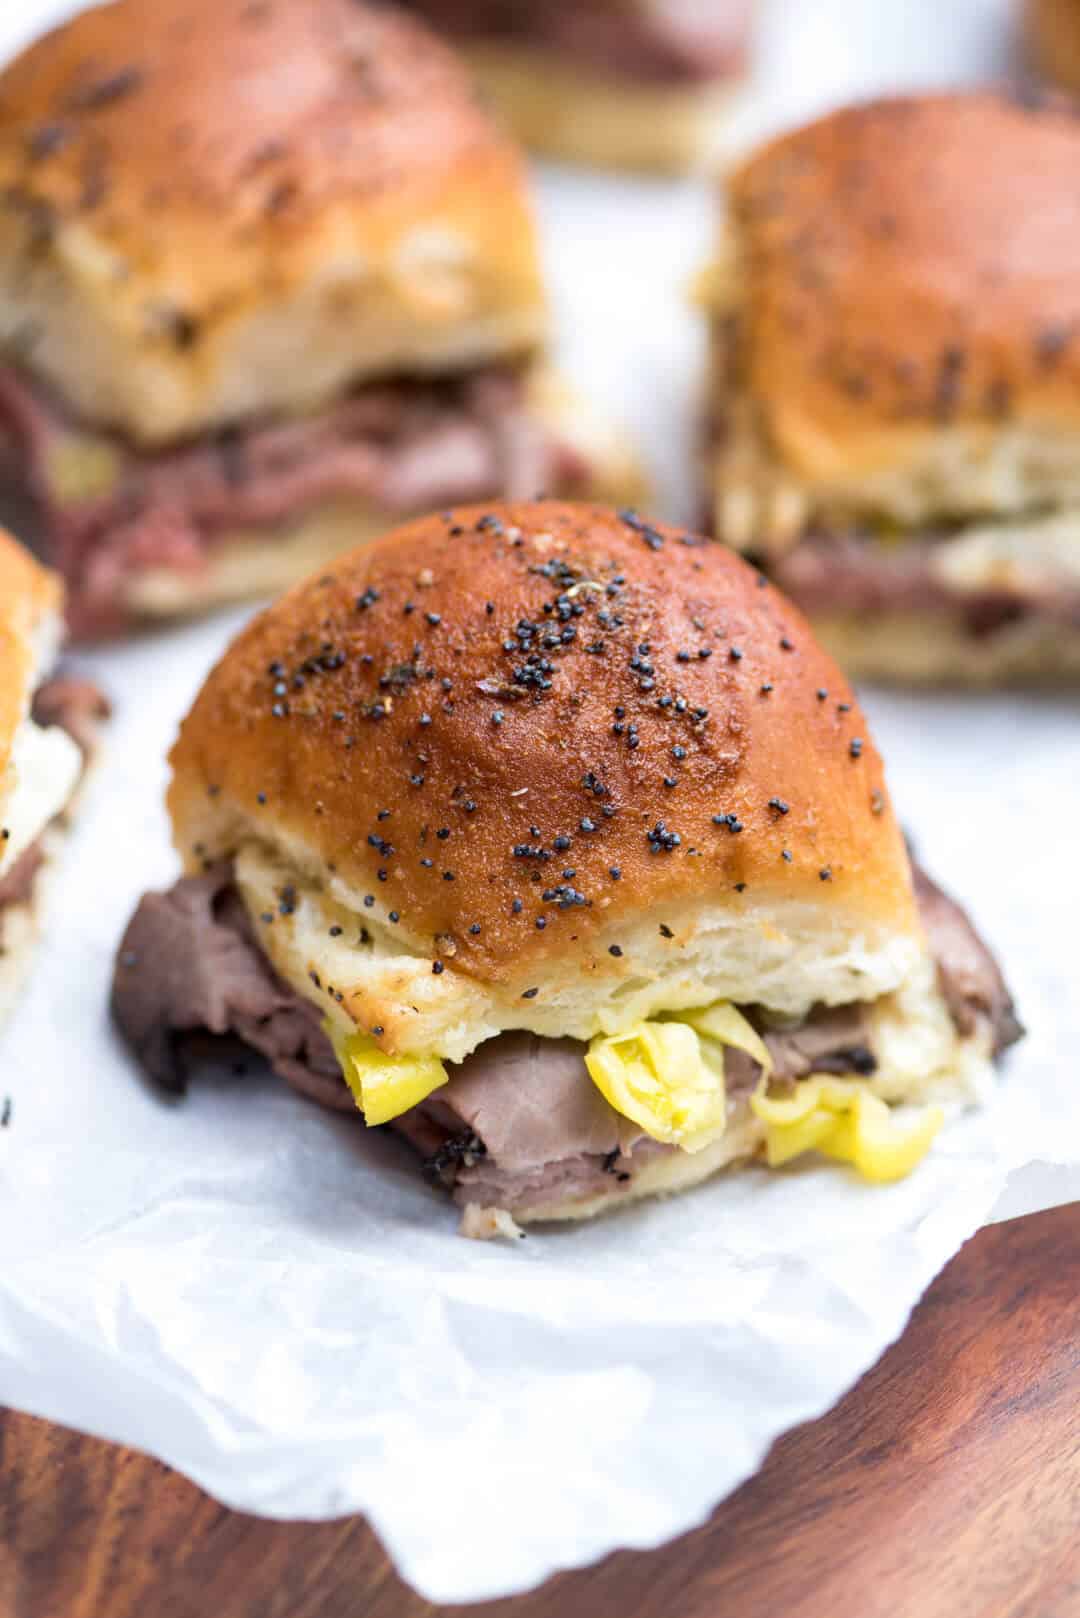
(896, 384)
(550, 837)
(49, 722)
(268, 284)
(640, 84)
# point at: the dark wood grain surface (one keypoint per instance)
(946, 1485)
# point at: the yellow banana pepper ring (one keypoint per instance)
(843, 1120)
(656, 1074)
(723, 1023)
(887, 1147)
(383, 1086)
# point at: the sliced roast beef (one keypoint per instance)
(971, 979)
(77, 705)
(851, 574)
(520, 1120)
(835, 1039)
(661, 41)
(564, 1180)
(188, 963)
(404, 447)
(524, 1097)
(519, 1124)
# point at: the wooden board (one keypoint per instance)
(946, 1485)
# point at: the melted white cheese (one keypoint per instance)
(1021, 558)
(42, 774)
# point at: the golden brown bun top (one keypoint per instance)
(912, 262)
(29, 595)
(253, 113)
(190, 162)
(1053, 28)
(549, 704)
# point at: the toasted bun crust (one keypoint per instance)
(900, 315)
(209, 207)
(565, 110)
(463, 738)
(1053, 30)
(30, 608)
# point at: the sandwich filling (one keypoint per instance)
(667, 42)
(540, 1127)
(987, 577)
(985, 581)
(49, 757)
(113, 514)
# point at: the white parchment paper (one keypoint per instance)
(271, 1300)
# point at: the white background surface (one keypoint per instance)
(273, 1302)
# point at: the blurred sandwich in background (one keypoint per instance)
(639, 84)
(895, 396)
(268, 283)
